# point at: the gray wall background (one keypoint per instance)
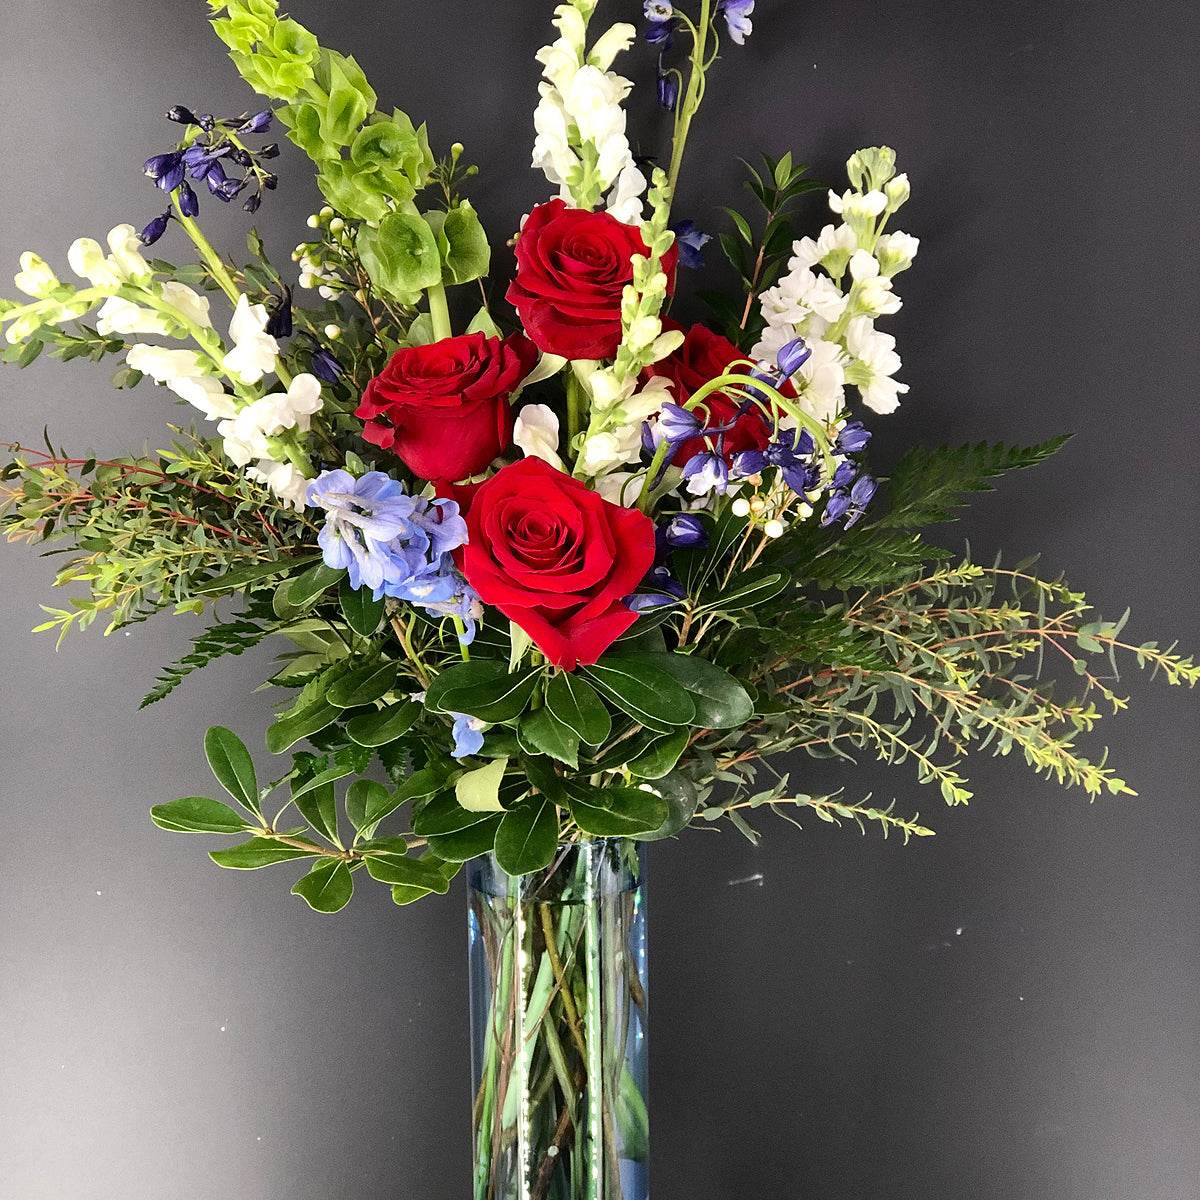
(1005, 1012)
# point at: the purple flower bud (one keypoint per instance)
(206, 122)
(844, 476)
(792, 357)
(270, 182)
(229, 188)
(836, 507)
(253, 203)
(684, 529)
(326, 367)
(690, 241)
(801, 477)
(181, 115)
(215, 178)
(155, 229)
(188, 204)
(852, 438)
(271, 151)
(279, 323)
(860, 496)
(240, 156)
(659, 33)
(668, 92)
(259, 123)
(647, 601)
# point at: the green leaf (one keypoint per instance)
(235, 581)
(682, 800)
(743, 226)
(420, 784)
(318, 806)
(363, 685)
(483, 690)
(751, 593)
(401, 256)
(645, 692)
(384, 725)
(575, 704)
(345, 110)
(327, 887)
(258, 852)
(543, 733)
(720, 701)
(465, 844)
(661, 755)
(312, 583)
(527, 836)
(479, 790)
(197, 814)
(410, 872)
(362, 797)
(312, 719)
(467, 255)
(783, 170)
(482, 322)
(232, 765)
(362, 613)
(616, 812)
(444, 815)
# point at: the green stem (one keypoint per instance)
(211, 258)
(439, 312)
(695, 93)
(575, 406)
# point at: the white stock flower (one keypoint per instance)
(255, 351)
(800, 293)
(35, 278)
(832, 249)
(821, 379)
(536, 432)
(858, 205)
(205, 393)
(284, 480)
(896, 252)
(876, 361)
(164, 365)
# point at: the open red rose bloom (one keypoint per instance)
(556, 558)
(572, 268)
(443, 409)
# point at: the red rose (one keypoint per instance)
(572, 266)
(703, 356)
(443, 408)
(556, 558)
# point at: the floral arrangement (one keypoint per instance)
(552, 562)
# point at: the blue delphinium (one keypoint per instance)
(691, 242)
(467, 734)
(392, 543)
(737, 18)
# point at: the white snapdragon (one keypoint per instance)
(121, 316)
(284, 480)
(621, 487)
(207, 394)
(603, 452)
(579, 116)
(35, 278)
(536, 432)
(254, 351)
(163, 365)
(124, 264)
(246, 433)
(188, 302)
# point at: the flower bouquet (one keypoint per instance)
(557, 573)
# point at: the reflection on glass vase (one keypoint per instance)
(558, 1026)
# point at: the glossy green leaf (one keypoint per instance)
(444, 815)
(311, 584)
(751, 592)
(411, 872)
(327, 887)
(479, 790)
(419, 785)
(645, 692)
(682, 801)
(363, 614)
(462, 677)
(258, 852)
(576, 704)
(720, 701)
(197, 814)
(527, 835)
(363, 685)
(312, 719)
(541, 732)
(465, 844)
(616, 812)
(497, 700)
(660, 757)
(362, 797)
(384, 725)
(232, 765)
(318, 806)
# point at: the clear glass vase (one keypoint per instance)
(558, 1026)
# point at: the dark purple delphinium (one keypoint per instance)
(155, 229)
(849, 502)
(325, 365)
(691, 243)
